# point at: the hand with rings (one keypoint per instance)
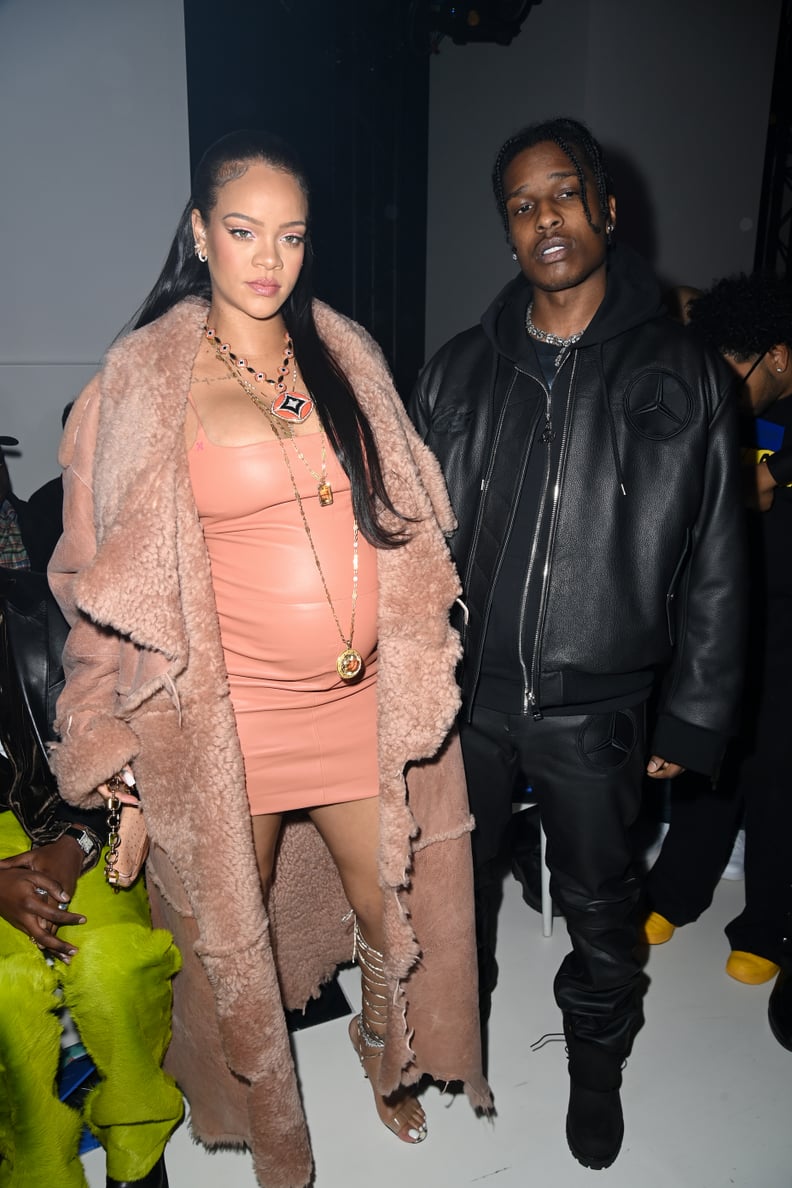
(36, 904)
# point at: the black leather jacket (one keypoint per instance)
(32, 634)
(641, 567)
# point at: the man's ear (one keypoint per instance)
(780, 358)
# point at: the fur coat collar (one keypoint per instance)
(146, 684)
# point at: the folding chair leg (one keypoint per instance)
(547, 903)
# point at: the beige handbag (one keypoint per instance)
(128, 843)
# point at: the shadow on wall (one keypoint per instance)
(635, 216)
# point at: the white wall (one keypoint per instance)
(676, 90)
(95, 168)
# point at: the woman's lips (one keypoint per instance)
(264, 288)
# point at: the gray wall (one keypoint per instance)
(94, 151)
(676, 90)
(94, 148)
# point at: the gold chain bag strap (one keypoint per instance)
(128, 843)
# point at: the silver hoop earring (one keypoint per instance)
(202, 256)
(514, 255)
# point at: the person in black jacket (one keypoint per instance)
(749, 320)
(590, 450)
(45, 507)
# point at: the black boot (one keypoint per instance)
(595, 1123)
(779, 1009)
(156, 1178)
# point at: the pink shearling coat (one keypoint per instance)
(146, 685)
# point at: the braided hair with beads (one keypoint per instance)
(576, 142)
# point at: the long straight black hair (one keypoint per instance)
(183, 275)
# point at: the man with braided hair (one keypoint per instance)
(589, 445)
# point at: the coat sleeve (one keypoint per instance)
(444, 381)
(697, 710)
(94, 742)
(418, 406)
(430, 473)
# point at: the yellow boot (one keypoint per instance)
(657, 930)
(749, 968)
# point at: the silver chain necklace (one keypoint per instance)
(551, 339)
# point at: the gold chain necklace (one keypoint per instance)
(349, 664)
(323, 487)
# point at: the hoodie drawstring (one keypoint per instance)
(611, 421)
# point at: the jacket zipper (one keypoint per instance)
(531, 694)
(546, 439)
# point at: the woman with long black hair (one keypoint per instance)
(255, 569)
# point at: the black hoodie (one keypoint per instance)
(632, 296)
(631, 511)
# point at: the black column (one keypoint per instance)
(341, 81)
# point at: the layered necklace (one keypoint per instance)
(286, 405)
(551, 339)
(349, 662)
(323, 487)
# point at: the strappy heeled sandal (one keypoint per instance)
(370, 1045)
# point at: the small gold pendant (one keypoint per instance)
(325, 494)
(349, 665)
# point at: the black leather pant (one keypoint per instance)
(586, 773)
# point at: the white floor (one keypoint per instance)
(707, 1096)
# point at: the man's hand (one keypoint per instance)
(660, 769)
(61, 861)
(35, 890)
